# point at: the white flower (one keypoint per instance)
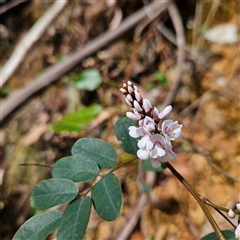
(237, 231)
(170, 155)
(158, 143)
(137, 132)
(143, 154)
(171, 129)
(147, 123)
(145, 143)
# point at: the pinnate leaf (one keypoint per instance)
(39, 226)
(75, 220)
(129, 144)
(76, 168)
(52, 192)
(97, 150)
(107, 197)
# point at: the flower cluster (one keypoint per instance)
(156, 136)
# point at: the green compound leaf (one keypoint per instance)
(129, 144)
(89, 80)
(76, 168)
(97, 150)
(213, 236)
(39, 226)
(75, 220)
(52, 192)
(107, 197)
(76, 121)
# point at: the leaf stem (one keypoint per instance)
(198, 199)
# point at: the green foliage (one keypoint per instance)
(74, 220)
(160, 78)
(148, 166)
(76, 121)
(39, 226)
(97, 150)
(107, 197)
(213, 236)
(52, 192)
(129, 144)
(89, 80)
(76, 168)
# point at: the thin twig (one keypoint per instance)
(6, 7)
(177, 22)
(55, 71)
(198, 199)
(29, 39)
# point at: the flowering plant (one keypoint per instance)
(94, 161)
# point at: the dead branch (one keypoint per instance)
(177, 23)
(29, 39)
(54, 72)
(6, 7)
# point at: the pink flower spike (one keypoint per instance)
(166, 111)
(133, 116)
(237, 231)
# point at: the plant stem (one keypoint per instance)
(199, 200)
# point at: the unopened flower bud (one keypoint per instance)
(124, 91)
(129, 98)
(138, 96)
(130, 83)
(133, 116)
(137, 106)
(238, 206)
(165, 112)
(124, 85)
(129, 103)
(130, 89)
(231, 213)
(147, 106)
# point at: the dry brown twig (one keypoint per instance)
(55, 71)
(177, 23)
(29, 39)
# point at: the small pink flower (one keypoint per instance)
(145, 143)
(158, 142)
(147, 123)
(171, 129)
